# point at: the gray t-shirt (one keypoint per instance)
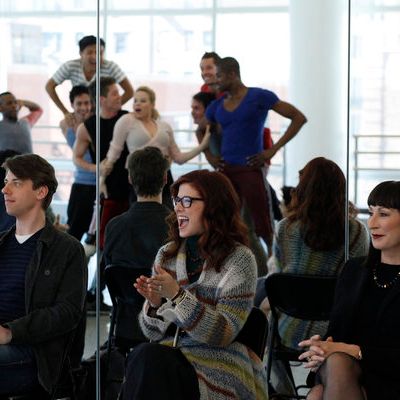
(16, 136)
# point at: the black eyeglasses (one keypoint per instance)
(186, 201)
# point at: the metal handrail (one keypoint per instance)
(361, 135)
(357, 168)
(378, 152)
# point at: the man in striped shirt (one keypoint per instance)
(82, 71)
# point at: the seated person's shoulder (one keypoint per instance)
(285, 229)
(354, 267)
(3, 233)
(64, 239)
(117, 221)
(164, 248)
(357, 261)
(241, 255)
(355, 223)
(359, 233)
(164, 210)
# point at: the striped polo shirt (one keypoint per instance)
(72, 70)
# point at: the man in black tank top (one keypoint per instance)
(117, 182)
(117, 200)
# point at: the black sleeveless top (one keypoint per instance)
(117, 182)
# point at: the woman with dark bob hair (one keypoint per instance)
(359, 358)
(201, 292)
(310, 240)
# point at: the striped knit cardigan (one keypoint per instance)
(292, 255)
(212, 314)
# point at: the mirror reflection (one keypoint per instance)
(158, 54)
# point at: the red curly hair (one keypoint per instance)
(224, 227)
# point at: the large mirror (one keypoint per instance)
(374, 87)
(299, 50)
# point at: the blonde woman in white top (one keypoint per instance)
(142, 128)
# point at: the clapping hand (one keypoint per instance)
(160, 285)
(144, 287)
(164, 283)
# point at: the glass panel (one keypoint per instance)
(163, 50)
(252, 3)
(160, 4)
(149, 47)
(37, 37)
(33, 47)
(127, 5)
(267, 69)
(43, 6)
(166, 58)
(44, 42)
(375, 89)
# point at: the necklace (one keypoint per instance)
(385, 285)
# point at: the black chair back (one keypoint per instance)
(127, 304)
(254, 332)
(306, 297)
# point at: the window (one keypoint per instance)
(121, 41)
(26, 44)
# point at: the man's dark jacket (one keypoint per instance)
(55, 289)
(134, 237)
